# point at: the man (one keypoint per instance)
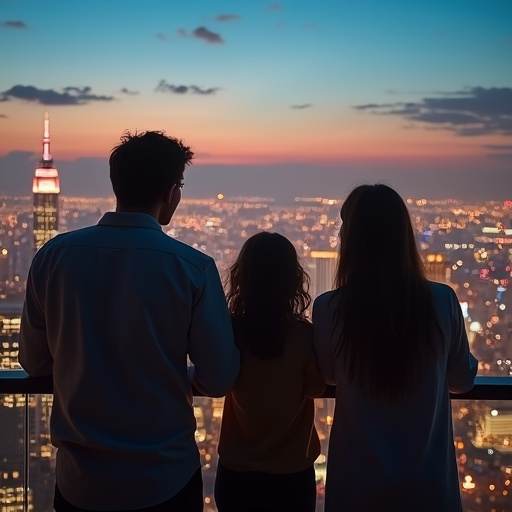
(113, 311)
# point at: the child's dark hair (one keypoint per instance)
(267, 287)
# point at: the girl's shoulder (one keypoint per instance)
(300, 332)
(299, 323)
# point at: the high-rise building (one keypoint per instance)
(10, 319)
(437, 268)
(18, 411)
(46, 190)
(321, 267)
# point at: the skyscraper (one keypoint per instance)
(321, 266)
(437, 268)
(46, 190)
(25, 425)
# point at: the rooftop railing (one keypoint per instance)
(484, 452)
(485, 388)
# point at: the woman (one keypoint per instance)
(268, 442)
(394, 344)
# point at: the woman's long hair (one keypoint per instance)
(387, 316)
(267, 287)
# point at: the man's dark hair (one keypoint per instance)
(144, 164)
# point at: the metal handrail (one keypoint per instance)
(485, 388)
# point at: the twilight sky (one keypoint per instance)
(276, 98)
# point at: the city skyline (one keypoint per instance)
(475, 259)
(276, 99)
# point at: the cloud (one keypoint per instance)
(499, 147)
(208, 36)
(309, 26)
(3, 116)
(124, 90)
(198, 90)
(161, 37)
(202, 33)
(368, 106)
(275, 7)
(302, 107)
(17, 24)
(500, 151)
(163, 86)
(506, 157)
(69, 96)
(468, 113)
(227, 17)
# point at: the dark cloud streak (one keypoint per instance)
(468, 113)
(301, 107)
(227, 17)
(70, 96)
(208, 36)
(16, 24)
(163, 86)
(499, 147)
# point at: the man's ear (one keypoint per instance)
(168, 194)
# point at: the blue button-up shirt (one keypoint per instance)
(114, 312)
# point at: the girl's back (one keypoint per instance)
(268, 416)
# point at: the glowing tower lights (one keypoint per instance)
(45, 188)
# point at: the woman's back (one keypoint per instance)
(397, 454)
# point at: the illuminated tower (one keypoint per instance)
(46, 194)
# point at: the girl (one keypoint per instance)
(268, 442)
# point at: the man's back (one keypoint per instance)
(112, 311)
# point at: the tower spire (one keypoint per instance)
(46, 160)
(46, 188)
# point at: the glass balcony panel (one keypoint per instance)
(483, 442)
(482, 435)
(13, 442)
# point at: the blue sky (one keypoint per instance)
(355, 88)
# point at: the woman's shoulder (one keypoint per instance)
(441, 291)
(326, 297)
(327, 301)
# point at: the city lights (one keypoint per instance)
(453, 252)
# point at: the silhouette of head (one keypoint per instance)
(144, 165)
(376, 235)
(267, 286)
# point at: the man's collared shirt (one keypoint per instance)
(112, 312)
